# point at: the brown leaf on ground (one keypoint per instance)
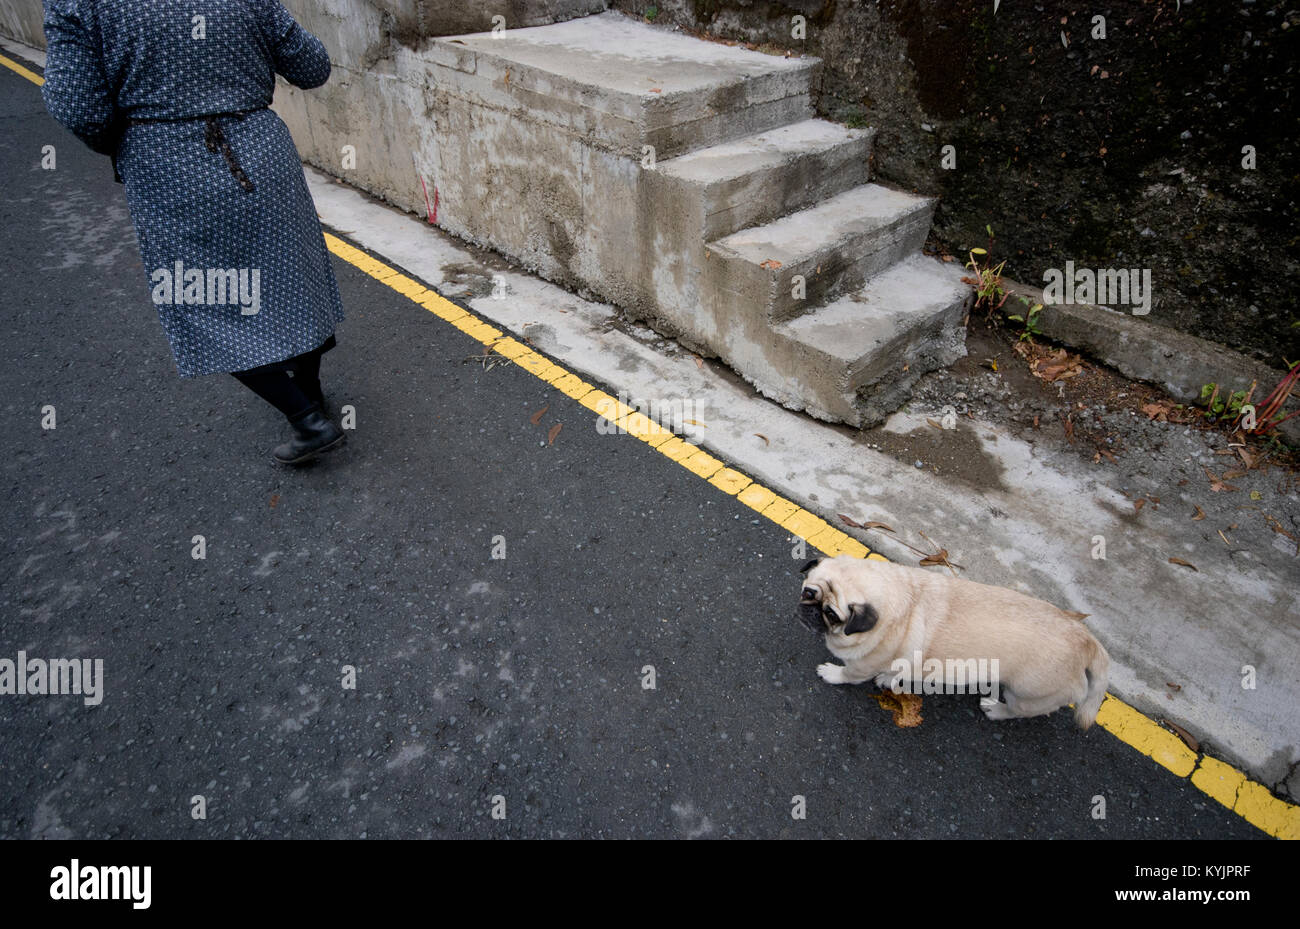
(1185, 564)
(905, 707)
(1157, 411)
(771, 264)
(1216, 483)
(699, 362)
(766, 440)
(1057, 366)
(1183, 734)
(537, 417)
(275, 498)
(934, 424)
(938, 558)
(872, 524)
(850, 521)
(1174, 687)
(555, 430)
(1075, 614)
(1200, 514)
(1138, 504)
(1233, 475)
(1248, 459)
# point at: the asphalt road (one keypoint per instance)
(477, 678)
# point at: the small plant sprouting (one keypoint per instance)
(986, 279)
(1030, 320)
(1217, 407)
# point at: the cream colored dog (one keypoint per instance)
(898, 626)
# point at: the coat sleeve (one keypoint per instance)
(76, 90)
(298, 55)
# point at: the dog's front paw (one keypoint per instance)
(995, 709)
(831, 673)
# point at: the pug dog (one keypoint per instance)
(889, 623)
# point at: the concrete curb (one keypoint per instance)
(1175, 361)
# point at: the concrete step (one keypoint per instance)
(845, 361)
(836, 246)
(762, 177)
(619, 83)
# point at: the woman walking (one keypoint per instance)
(177, 93)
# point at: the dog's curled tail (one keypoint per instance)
(1097, 672)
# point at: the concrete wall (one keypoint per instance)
(21, 20)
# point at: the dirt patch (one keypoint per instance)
(1240, 492)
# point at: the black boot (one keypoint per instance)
(313, 434)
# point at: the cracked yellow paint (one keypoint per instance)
(756, 497)
(677, 450)
(573, 386)
(703, 464)
(730, 481)
(645, 429)
(1146, 735)
(780, 509)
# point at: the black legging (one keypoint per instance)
(294, 396)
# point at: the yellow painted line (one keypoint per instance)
(1251, 801)
(19, 69)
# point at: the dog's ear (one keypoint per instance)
(812, 563)
(862, 618)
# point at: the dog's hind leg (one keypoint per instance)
(1034, 706)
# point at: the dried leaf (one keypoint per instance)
(765, 439)
(1156, 411)
(1216, 484)
(905, 707)
(1075, 614)
(696, 422)
(1200, 514)
(1183, 734)
(875, 525)
(1185, 564)
(849, 521)
(1174, 687)
(555, 430)
(1233, 475)
(771, 264)
(1138, 504)
(537, 417)
(938, 558)
(275, 498)
(699, 362)
(934, 424)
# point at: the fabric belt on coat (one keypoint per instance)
(214, 138)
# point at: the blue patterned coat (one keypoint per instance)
(237, 267)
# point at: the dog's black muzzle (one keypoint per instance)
(810, 611)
